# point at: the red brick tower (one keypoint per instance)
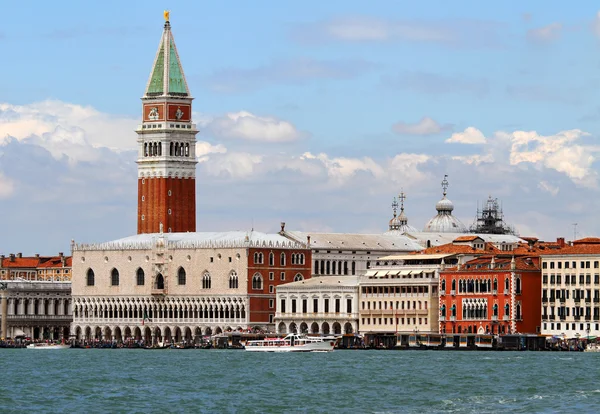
(167, 146)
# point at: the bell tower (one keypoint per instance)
(166, 146)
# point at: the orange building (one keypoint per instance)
(268, 268)
(497, 294)
(35, 268)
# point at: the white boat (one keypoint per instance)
(592, 347)
(44, 345)
(292, 343)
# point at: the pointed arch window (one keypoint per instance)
(506, 310)
(160, 282)
(495, 288)
(453, 287)
(282, 259)
(495, 309)
(298, 277)
(114, 277)
(233, 280)
(271, 259)
(518, 285)
(181, 276)
(443, 311)
(443, 285)
(453, 310)
(257, 282)
(91, 278)
(140, 277)
(518, 311)
(506, 285)
(206, 281)
(301, 258)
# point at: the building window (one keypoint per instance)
(349, 305)
(271, 303)
(140, 277)
(143, 217)
(282, 305)
(257, 282)
(304, 305)
(316, 305)
(143, 198)
(271, 259)
(114, 277)
(258, 258)
(326, 305)
(282, 259)
(169, 193)
(206, 281)
(271, 275)
(293, 305)
(233, 280)
(91, 278)
(271, 289)
(298, 277)
(337, 306)
(169, 212)
(181, 276)
(282, 276)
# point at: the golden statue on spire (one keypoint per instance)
(166, 14)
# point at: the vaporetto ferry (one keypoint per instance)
(292, 343)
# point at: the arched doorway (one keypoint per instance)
(127, 336)
(158, 335)
(314, 328)
(108, 334)
(303, 328)
(118, 334)
(66, 332)
(168, 336)
(348, 328)
(281, 328)
(337, 328)
(178, 336)
(188, 335)
(160, 281)
(147, 335)
(325, 328)
(78, 333)
(98, 333)
(293, 328)
(208, 332)
(218, 331)
(36, 333)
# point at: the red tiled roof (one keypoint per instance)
(500, 264)
(36, 262)
(587, 240)
(466, 238)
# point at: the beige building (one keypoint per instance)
(321, 305)
(175, 286)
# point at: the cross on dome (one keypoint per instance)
(445, 184)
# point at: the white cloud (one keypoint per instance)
(476, 159)
(546, 186)
(471, 135)
(560, 152)
(426, 126)
(204, 148)
(6, 186)
(547, 33)
(596, 24)
(340, 169)
(247, 126)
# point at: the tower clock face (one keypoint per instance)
(154, 112)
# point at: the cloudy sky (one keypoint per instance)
(314, 113)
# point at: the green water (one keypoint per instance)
(142, 381)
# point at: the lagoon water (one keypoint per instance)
(143, 381)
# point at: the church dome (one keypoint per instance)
(444, 221)
(399, 224)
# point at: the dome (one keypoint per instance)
(444, 221)
(399, 224)
(444, 205)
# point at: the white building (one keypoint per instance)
(349, 254)
(180, 286)
(571, 290)
(322, 305)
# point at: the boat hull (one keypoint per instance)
(310, 347)
(44, 346)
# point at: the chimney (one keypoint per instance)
(493, 262)
(531, 243)
(282, 226)
(308, 240)
(513, 264)
(560, 241)
(20, 255)
(443, 264)
(60, 254)
(12, 257)
(37, 255)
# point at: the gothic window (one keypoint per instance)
(453, 285)
(282, 259)
(301, 258)
(159, 146)
(140, 277)
(506, 309)
(271, 259)
(261, 258)
(298, 277)
(114, 277)
(495, 284)
(91, 279)
(255, 258)
(353, 268)
(181, 276)
(453, 310)
(257, 282)
(518, 286)
(206, 282)
(506, 284)
(495, 309)
(293, 258)
(233, 280)
(518, 311)
(145, 149)
(443, 285)
(187, 150)
(171, 149)
(443, 311)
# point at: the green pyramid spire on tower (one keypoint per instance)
(167, 77)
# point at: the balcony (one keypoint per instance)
(562, 317)
(442, 319)
(588, 317)
(551, 317)
(544, 300)
(494, 292)
(158, 292)
(562, 300)
(597, 300)
(453, 292)
(442, 292)
(506, 318)
(588, 300)
(453, 318)
(552, 300)
(577, 300)
(577, 318)
(506, 292)
(494, 317)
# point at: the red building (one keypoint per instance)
(492, 294)
(268, 268)
(167, 147)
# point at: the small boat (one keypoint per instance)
(291, 343)
(45, 345)
(592, 347)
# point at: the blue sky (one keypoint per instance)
(360, 99)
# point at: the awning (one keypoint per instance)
(371, 273)
(18, 332)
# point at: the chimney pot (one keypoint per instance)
(37, 255)
(282, 226)
(60, 254)
(19, 255)
(12, 257)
